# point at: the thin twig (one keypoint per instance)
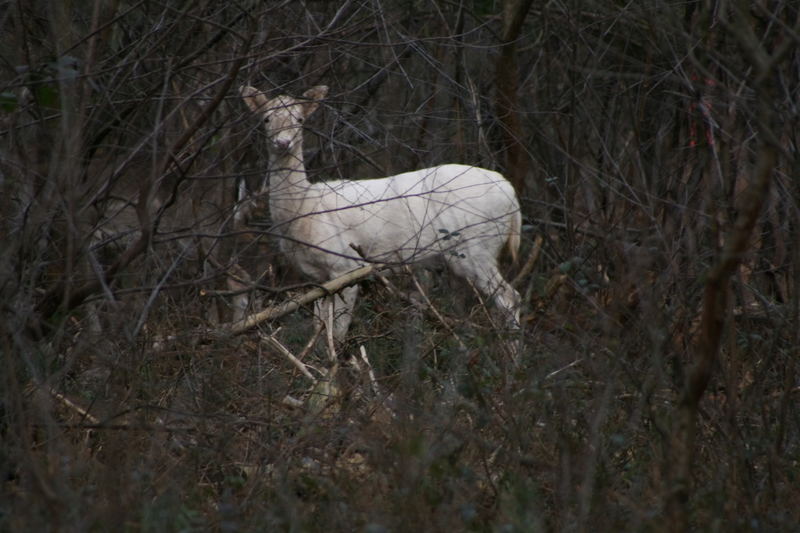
(312, 341)
(527, 268)
(72, 405)
(329, 332)
(435, 311)
(566, 367)
(373, 382)
(272, 342)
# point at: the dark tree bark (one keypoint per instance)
(715, 311)
(512, 148)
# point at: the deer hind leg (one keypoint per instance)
(486, 278)
(484, 275)
(506, 298)
(239, 281)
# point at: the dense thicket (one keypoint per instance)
(654, 148)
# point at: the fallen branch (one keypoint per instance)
(86, 415)
(277, 311)
(274, 343)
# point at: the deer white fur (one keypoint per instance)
(463, 214)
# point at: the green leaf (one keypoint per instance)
(8, 101)
(46, 95)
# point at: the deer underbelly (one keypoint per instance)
(320, 262)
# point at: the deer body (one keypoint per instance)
(463, 214)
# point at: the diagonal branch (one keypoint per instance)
(271, 313)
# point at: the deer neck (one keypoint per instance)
(288, 185)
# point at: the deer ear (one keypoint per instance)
(255, 99)
(314, 95)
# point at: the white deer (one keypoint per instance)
(463, 214)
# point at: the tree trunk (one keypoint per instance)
(513, 152)
(716, 311)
